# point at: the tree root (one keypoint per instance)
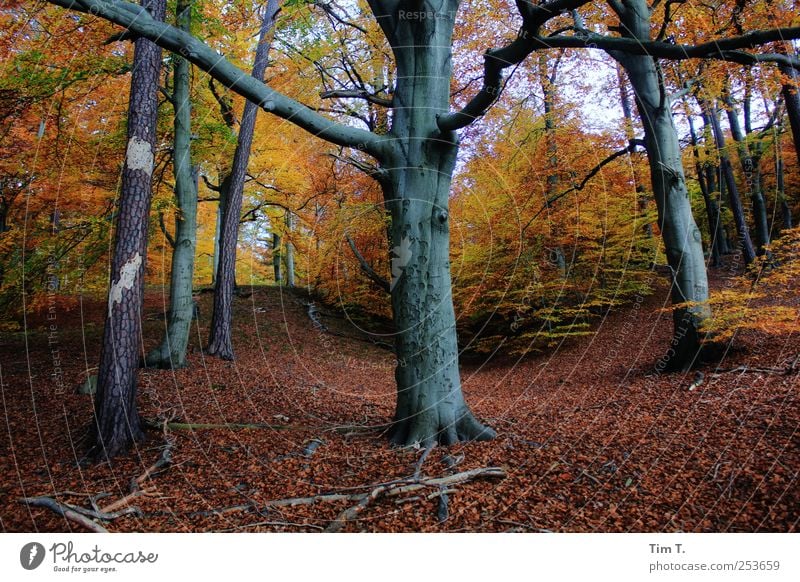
(390, 489)
(64, 511)
(88, 517)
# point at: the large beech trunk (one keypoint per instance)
(171, 353)
(682, 240)
(416, 180)
(117, 424)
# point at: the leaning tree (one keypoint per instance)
(416, 159)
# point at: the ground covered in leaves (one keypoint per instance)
(590, 438)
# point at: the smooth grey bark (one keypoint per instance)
(171, 353)
(682, 240)
(416, 179)
(749, 157)
(220, 340)
(726, 168)
(117, 425)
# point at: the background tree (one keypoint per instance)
(172, 351)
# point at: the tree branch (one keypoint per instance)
(356, 94)
(632, 145)
(138, 20)
(725, 49)
(366, 267)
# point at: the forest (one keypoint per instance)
(400, 266)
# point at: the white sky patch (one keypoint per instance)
(140, 155)
(127, 277)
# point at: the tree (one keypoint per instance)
(231, 192)
(117, 423)
(172, 351)
(416, 160)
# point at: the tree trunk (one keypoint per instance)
(548, 82)
(712, 210)
(630, 134)
(682, 240)
(416, 182)
(289, 250)
(220, 340)
(171, 353)
(786, 211)
(217, 234)
(276, 257)
(726, 168)
(752, 177)
(117, 424)
(791, 98)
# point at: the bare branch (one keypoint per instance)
(366, 267)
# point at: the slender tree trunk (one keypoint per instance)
(416, 184)
(630, 134)
(712, 210)
(548, 82)
(276, 257)
(289, 250)
(217, 234)
(172, 351)
(726, 168)
(117, 424)
(786, 212)
(791, 98)
(682, 240)
(220, 340)
(752, 177)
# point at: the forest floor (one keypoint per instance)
(590, 438)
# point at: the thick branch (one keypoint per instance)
(528, 40)
(356, 94)
(139, 21)
(725, 49)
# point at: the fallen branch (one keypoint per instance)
(64, 511)
(351, 513)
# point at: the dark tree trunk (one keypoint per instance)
(630, 134)
(682, 240)
(220, 341)
(745, 243)
(786, 212)
(548, 82)
(172, 351)
(289, 250)
(117, 424)
(715, 234)
(791, 98)
(752, 175)
(276, 257)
